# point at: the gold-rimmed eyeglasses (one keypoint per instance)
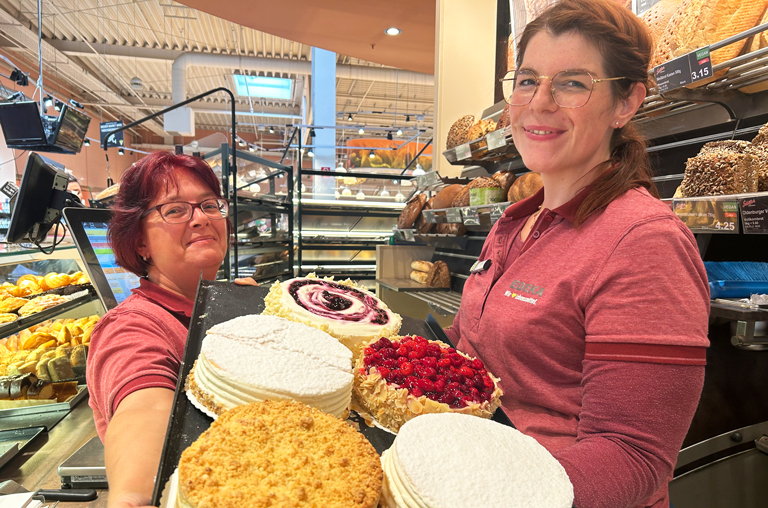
(181, 211)
(570, 89)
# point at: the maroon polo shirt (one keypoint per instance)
(599, 336)
(138, 344)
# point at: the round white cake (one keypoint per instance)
(255, 358)
(451, 460)
(348, 312)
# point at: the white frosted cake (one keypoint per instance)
(500, 467)
(348, 312)
(255, 358)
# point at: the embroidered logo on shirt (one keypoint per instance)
(521, 297)
(527, 287)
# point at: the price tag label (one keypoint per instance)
(453, 215)
(432, 178)
(754, 214)
(711, 215)
(429, 216)
(497, 211)
(471, 216)
(9, 189)
(684, 70)
(496, 139)
(408, 235)
(463, 152)
(644, 5)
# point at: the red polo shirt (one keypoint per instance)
(599, 336)
(138, 344)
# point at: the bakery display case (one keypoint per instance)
(261, 214)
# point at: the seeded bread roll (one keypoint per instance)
(480, 129)
(715, 173)
(444, 198)
(762, 136)
(759, 155)
(525, 186)
(411, 211)
(420, 277)
(439, 275)
(457, 134)
(698, 23)
(504, 178)
(751, 175)
(422, 226)
(421, 266)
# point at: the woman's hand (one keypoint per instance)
(246, 281)
(131, 500)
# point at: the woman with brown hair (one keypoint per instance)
(593, 309)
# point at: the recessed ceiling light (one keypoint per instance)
(361, 131)
(393, 31)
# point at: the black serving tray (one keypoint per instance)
(215, 303)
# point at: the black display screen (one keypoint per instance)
(21, 124)
(72, 128)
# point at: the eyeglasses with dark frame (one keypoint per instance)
(178, 212)
(570, 88)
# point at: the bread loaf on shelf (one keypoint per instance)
(525, 186)
(457, 134)
(717, 172)
(421, 266)
(444, 198)
(422, 226)
(420, 277)
(699, 23)
(480, 129)
(504, 178)
(439, 275)
(411, 211)
(452, 229)
(462, 198)
(656, 19)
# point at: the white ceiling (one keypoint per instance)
(112, 41)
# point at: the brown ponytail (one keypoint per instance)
(626, 46)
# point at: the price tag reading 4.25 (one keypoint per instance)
(463, 152)
(684, 70)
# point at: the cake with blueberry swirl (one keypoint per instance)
(342, 309)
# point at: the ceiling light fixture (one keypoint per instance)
(360, 195)
(393, 31)
(407, 118)
(121, 152)
(311, 153)
(336, 195)
(340, 168)
(361, 131)
(399, 197)
(271, 130)
(48, 102)
(346, 192)
(311, 133)
(349, 117)
(58, 105)
(371, 155)
(76, 104)
(419, 170)
(389, 135)
(251, 148)
(399, 132)
(86, 142)
(384, 193)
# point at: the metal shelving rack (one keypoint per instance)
(268, 205)
(339, 236)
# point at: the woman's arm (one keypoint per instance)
(133, 444)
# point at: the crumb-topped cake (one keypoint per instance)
(399, 378)
(254, 358)
(279, 454)
(348, 312)
(500, 467)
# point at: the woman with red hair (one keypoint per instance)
(169, 226)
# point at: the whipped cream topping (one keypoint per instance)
(268, 357)
(349, 313)
(500, 466)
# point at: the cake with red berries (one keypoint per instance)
(342, 309)
(255, 358)
(521, 472)
(399, 378)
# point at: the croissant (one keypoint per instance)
(11, 304)
(28, 287)
(28, 276)
(84, 279)
(56, 280)
(7, 317)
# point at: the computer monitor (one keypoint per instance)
(71, 129)
(88, 227)
(41, 197)
(21, 124)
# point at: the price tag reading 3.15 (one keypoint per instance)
(684, 70)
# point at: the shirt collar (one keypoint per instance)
(165, 298)
(527, 206)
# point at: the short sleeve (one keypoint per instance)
(650, 300)
(133, 348)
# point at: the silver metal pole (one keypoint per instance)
(40, 52)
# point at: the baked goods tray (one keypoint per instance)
(215, 303)
(38, 317)
(82, 391)
(12, 442)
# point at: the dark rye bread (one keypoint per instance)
(439, 276)
(756, 154)
(422, 226)
(411, 211)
